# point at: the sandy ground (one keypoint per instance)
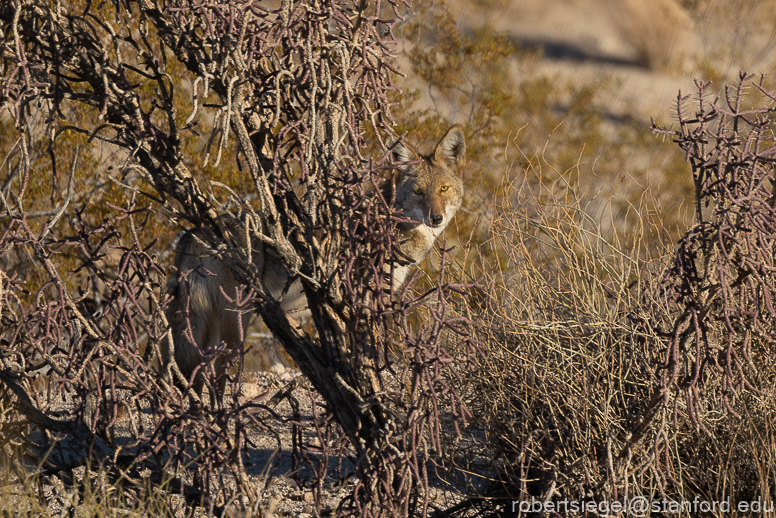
(653, 48)
(268, 467)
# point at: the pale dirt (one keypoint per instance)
(268, 467)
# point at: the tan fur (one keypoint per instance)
(429, 192)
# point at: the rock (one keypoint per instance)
(278, 369)
(249, 391)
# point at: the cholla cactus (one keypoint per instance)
(723, 279)
(302, 88)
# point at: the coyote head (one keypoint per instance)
(430, 191)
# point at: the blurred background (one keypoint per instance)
(572, 213)
(567, 89)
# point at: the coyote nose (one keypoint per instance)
(436, 220)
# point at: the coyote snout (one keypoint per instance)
(429, 191)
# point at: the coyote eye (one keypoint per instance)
(444, 188)
(418, 190)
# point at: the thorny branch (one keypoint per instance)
(724, 275)
(301, 88)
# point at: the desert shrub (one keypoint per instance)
(611, 375)
(295, 97)
(567, 375)
(723, 279)
(604, 375)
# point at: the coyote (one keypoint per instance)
(428, 192)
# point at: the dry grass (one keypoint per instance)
(49, 497)
(567, 400)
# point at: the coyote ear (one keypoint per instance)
(402, 153)
(452, 147)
